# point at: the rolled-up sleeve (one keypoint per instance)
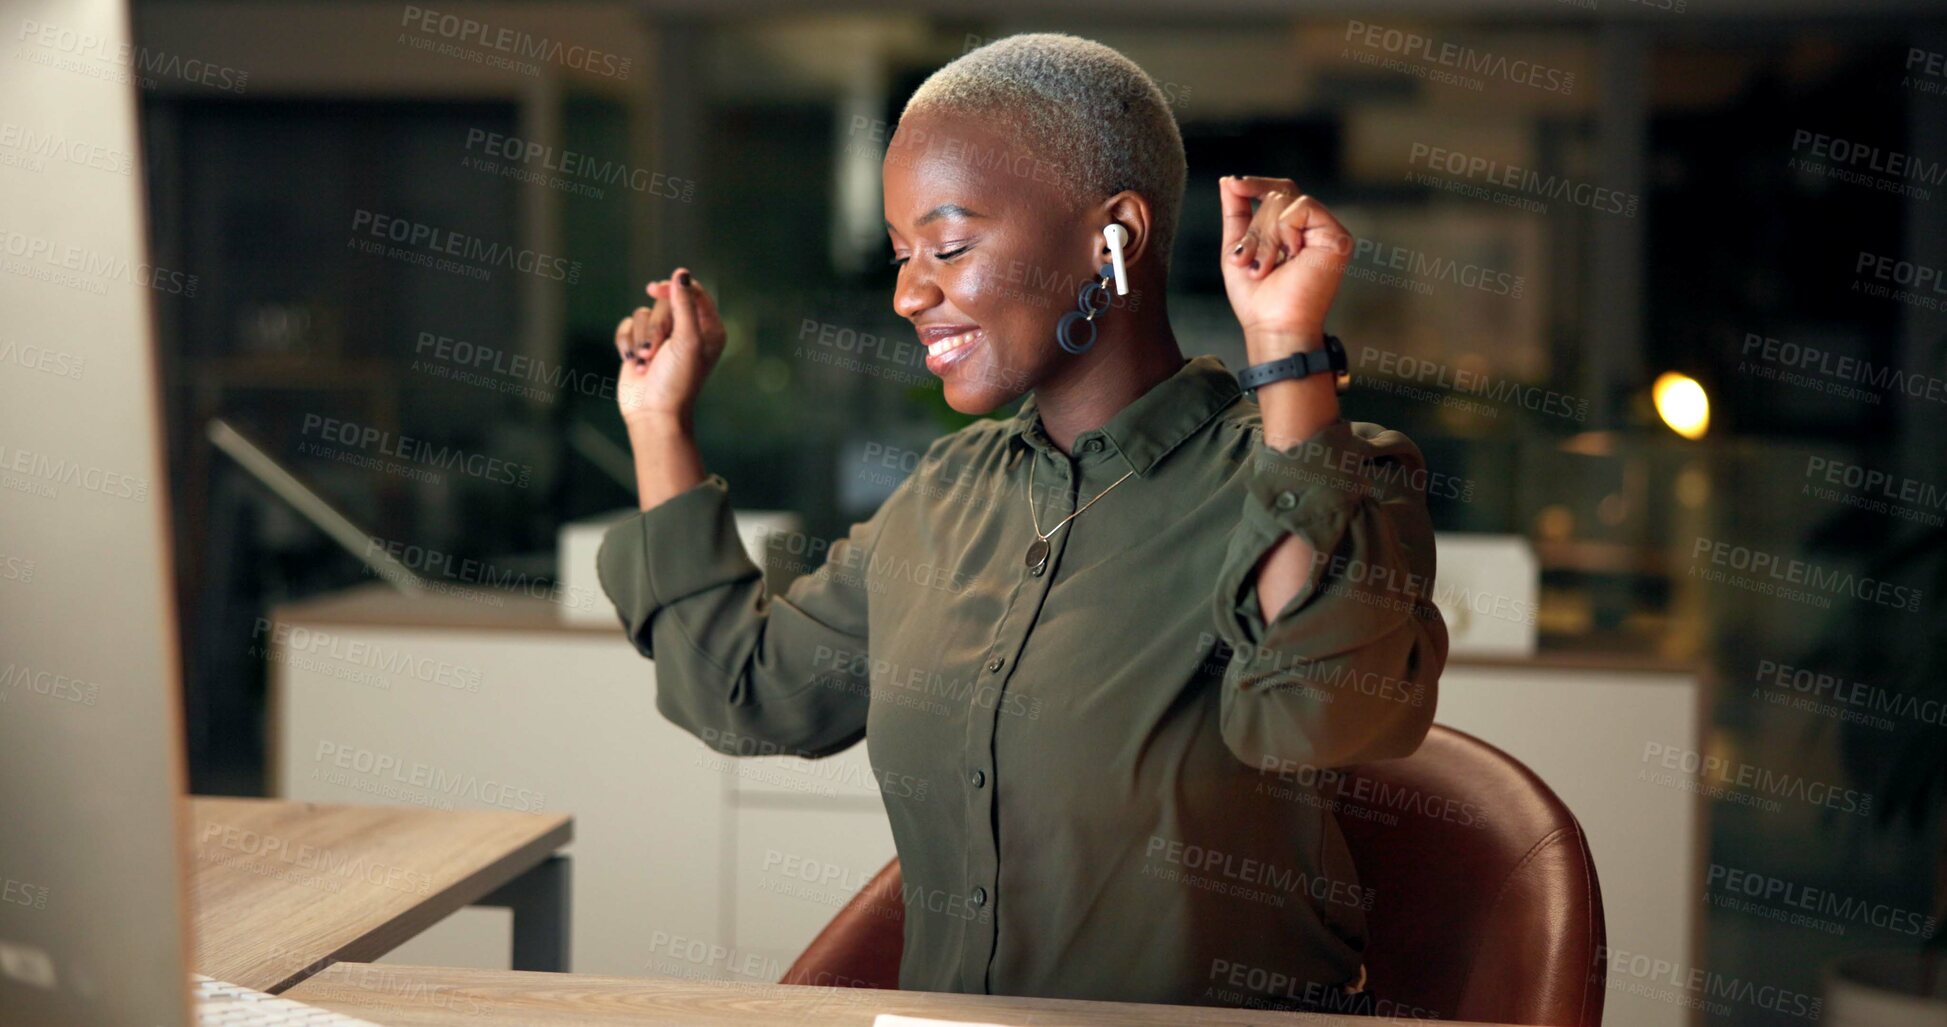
(745, 671)
(1348, 671)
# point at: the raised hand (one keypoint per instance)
(667, 352)
(1282, 264)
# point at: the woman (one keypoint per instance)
(1053, 633)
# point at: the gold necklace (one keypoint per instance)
(1038, 549)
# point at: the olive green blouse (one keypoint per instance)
(1105, 776)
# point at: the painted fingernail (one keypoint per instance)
(683, 279)
(1254, 265)
(1239, 248)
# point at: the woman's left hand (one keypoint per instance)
(1282, 264)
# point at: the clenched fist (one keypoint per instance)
(1282, 264)
(667, 352)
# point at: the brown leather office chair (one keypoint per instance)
(1485, 900)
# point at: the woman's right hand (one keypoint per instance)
(666, 353)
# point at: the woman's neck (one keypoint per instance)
(1127, 364)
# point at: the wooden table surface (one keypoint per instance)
(431, 996)
(278, 889)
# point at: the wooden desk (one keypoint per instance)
(429, 996)
(278, 889)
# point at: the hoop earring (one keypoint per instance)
(1085, 311)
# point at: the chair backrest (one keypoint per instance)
(860, 948)
(1485, 900)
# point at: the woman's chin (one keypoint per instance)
(976, 400)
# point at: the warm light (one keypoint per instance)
(1681, 402)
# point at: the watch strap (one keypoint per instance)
(1298, 365)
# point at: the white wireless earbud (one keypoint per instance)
(1116, 235)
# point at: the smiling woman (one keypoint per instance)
(1215, 594)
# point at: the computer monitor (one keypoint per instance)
(93, 927)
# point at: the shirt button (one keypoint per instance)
(979, 778)
(980, 896)
(1286, 501)
(995, 663)
(1093, 445)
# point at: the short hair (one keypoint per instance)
(1100, 120)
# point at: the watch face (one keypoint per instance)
(1341, 364)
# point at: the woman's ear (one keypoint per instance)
(1132, 212)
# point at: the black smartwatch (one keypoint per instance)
(1300, 365)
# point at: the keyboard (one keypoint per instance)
(227, 1005)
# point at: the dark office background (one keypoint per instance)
(1693, 110)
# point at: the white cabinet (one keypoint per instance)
(1583, 727)
(445, 701)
